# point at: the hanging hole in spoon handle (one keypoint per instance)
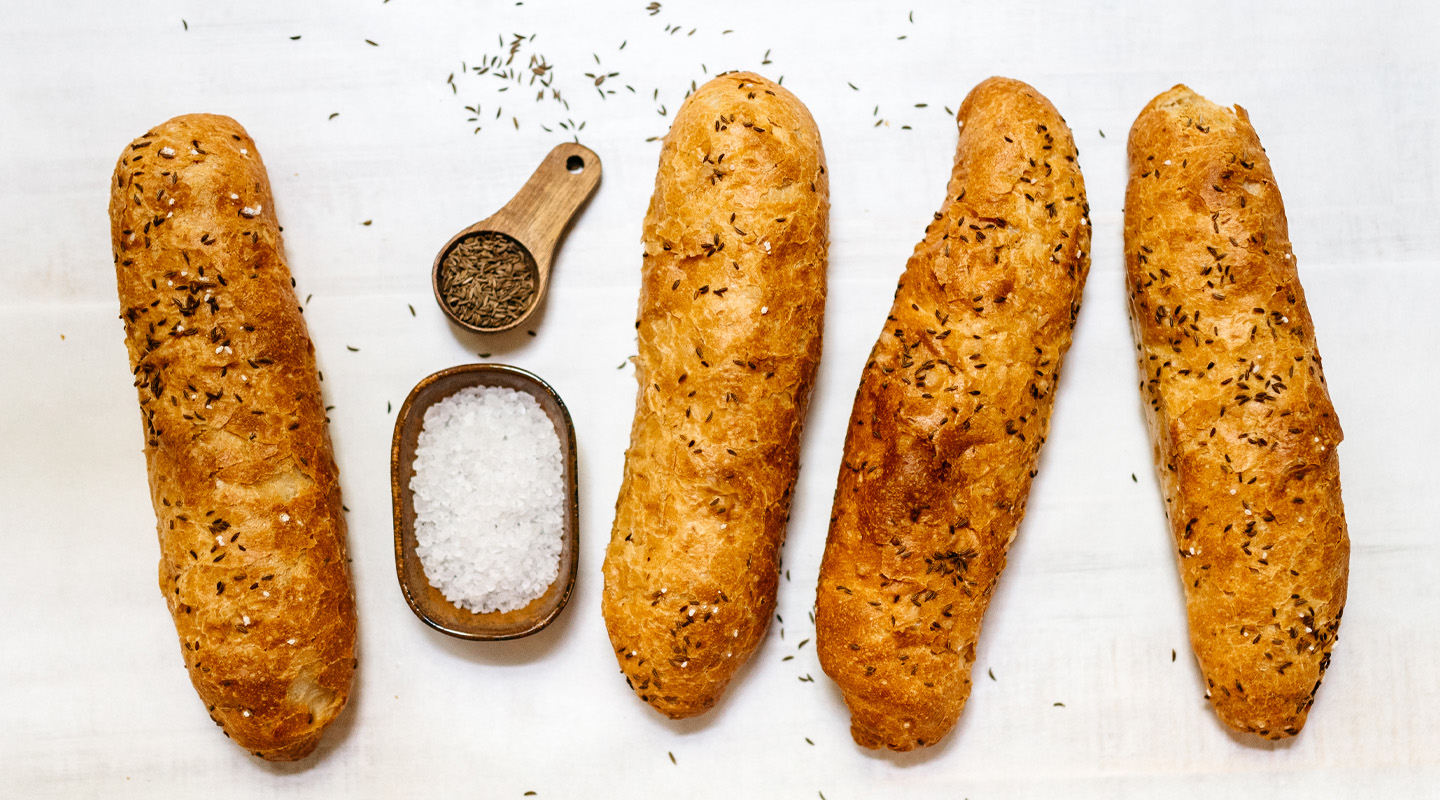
(514, 248)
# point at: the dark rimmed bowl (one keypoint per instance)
(425, 600)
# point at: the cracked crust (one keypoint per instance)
(1242, 426)
(948, 421)
(731, 304)
(252, 539)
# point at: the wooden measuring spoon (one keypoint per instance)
(536, 219)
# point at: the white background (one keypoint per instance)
(93, 697)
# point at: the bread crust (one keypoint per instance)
(732, 300)
(948, 421)
(1241, 422)
(252, 537)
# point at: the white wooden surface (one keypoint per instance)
(94, 701)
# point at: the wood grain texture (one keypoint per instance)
(948, 421)
(732, 302)
(1242, 426)
(253, 560)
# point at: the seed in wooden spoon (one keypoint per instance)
(487, 279)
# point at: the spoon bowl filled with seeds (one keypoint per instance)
(491, 276)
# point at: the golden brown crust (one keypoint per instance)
(252, 539)
(1242, 425)
(731, 303)
(949, 418)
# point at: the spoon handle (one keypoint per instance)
(539, 214)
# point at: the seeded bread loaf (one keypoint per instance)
(252, 539)
(731, 303)
(1241, 422)
(947, 425)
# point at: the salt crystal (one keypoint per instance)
(489, 499)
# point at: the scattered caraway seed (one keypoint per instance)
(294, 38)
(1102, 133)
(1172, 656)
(387, 406)
(186, 24)
(372, 44)
(1133, 478)
(672, 755)
(483, 355)
(367, 222)
(527, 794)
(1059, 705)
(307, 298)
(852, 86)
(991, 673)
(787, 658)
(531, 333)
(333, 116)
(412, 309)
(622, 365)
(807, 741)
(352, 349)
(803, 642)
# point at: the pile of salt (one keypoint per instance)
(489, 499)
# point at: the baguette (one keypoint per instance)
(731, 304)
(1243, 430)
(947, 425)
(244, 485)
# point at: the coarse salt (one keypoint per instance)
(489, 499)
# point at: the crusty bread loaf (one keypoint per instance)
(252, 539)
(731, 303)
(1240, 419)
(949, 418)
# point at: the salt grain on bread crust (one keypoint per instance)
(252, 538)
(1241, 422)
(948, 421)
(731, 304)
